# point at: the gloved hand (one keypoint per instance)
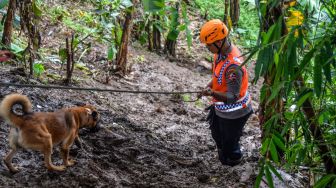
(205, 92)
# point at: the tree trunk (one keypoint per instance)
(29, 25)
(122, 52)
(276, 105)
(70, 59)
(234, 12)
(8, 25)
(170, 45)
(156, 36)
(226, 11)
(148, 30)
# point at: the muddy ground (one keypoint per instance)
(146, 140)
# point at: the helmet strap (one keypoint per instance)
(221, 47)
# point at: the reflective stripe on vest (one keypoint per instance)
(240, 104)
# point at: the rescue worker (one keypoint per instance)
(231, 101)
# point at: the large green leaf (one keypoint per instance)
(174, 24)
(275, 91)
(172, 35)
(326, 61)
(262, 61)
(292, 57)
(292, 155)
(271, 167)
(274, 152)
(63, 54)
(317, 76)
(153, 5)
(269, 177)
(279, 143)
(325, 180)
(259, 177)
(186, 23)
(264, 146)
(303, 96)
(305, 61)
(112, 51)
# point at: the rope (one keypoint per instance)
(95, 89)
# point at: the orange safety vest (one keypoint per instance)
(219, 83)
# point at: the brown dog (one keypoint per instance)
(42, 130)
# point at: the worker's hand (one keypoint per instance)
(206, 92)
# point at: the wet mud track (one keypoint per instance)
(145, 140)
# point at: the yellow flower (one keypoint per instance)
(295, 19)
(81, 13)
(292, 3)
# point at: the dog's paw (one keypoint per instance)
(71, 162)
(58, 168)
(14, 170)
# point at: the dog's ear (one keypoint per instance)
(95, 115)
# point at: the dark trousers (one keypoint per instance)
(226, 133)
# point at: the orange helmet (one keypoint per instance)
(212, 31)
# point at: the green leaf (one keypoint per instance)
(334, 183)
(262, 61)
(268, 35)
(38, 68)
(264, 146)
(186, 97)
(153, 5)
(306, 60)
(269, 177)
(317, 76)
(274, 152)
(292, 155)
(323, 116)
(63, 54)
(263, 93)
(187, 23)
(172, 35)
(324, 181)
(182, 27)
(37, 11)
(278, 142)
(292, 59)
(301, 156)
(327, 72)
(16, 48)
(3, 3)
(326, 63)
(111, 53)
(259, 177)
(271, 167)
(303, 96)
(275, 91)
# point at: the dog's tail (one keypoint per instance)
(7, 111)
